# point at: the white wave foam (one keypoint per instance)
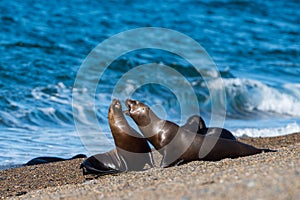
(268, 132)
(252, 95)
(62, 94)
(47, 111)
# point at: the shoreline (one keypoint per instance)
(266, 175)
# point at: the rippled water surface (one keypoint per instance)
(255, 45)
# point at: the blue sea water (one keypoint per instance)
(255, 45)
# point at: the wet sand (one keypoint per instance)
(265, 176)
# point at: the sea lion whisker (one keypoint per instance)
(126, 112)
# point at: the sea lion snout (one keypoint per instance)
(139, 112)
(115, 105)
(130, 103)
(135, 107)
(115, 109)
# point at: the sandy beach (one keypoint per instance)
(263, 176)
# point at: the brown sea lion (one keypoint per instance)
(48, 159)
(178, 145)
(195, 123)
(130, 144)
(132, 150)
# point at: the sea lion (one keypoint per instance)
(195, 123)
(43, 160)
(178, 145)
(132, 151)
(131, 145)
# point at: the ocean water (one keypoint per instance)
(254, 44)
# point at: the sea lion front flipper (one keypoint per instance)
(89, 168)
(102, 164)
(168, 159)
(151, 162)
(166, 164)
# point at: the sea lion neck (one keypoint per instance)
(115, 112)
(155, 124)
(118, 115)
(149, 120)
(117, 119)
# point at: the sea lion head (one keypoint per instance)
(139, 112)
(115, 110)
